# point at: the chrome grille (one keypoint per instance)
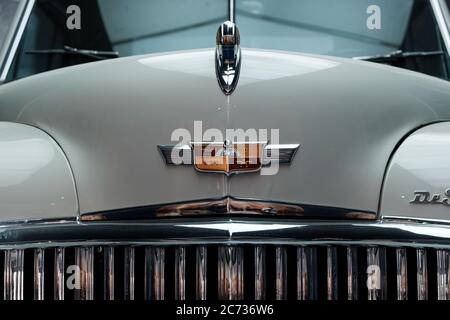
(225, 272)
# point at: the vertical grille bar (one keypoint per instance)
(201, 273)
(39, 259)
(306, 273)
(129, 272)
(180, 273)
(231, 273)
(402, 274)
(159, 265)
(13, 274)
(332, 273)
(443, 274)
(59, 274)
(376, 273)
(260, 273)
(84, 259)
(281, 273)
(154, 273)
(108, 273)
(352, 273)
(422, 274)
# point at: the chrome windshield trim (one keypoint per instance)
(225, 231)
(9, 48)
(442, 16)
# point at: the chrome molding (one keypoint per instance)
(231, 10)
(443, 274)
(402, 274)
(239, 230)
(280, 273)
(13, 38)
(201, 272)
(39, 259)
(84, 259)
(13, 274)
(260, 272)
(129, 273)
(180, 273)
(442, 16)
(352, 273)
(59, 273)
(154, 273)
(306, 273)
(231, 273)
(422, 274)
(229, 206)
(332, 273)
(376, 273)
(108, 291)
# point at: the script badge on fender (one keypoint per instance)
(228, 157)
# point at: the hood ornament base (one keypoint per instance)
(228, 56)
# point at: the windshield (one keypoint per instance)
(344, 28)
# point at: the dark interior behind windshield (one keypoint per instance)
(133, 27)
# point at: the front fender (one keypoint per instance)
(418, 178)
(36, 181)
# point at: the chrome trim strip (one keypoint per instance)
(352, 273)
(231, 273)
(332, 273)
(231, 11)
(154, 273)
(84, 259)
(306, 273)
(59, 273)
(255, 230)
(442, 16)
(129, 269)
(13, 274)
(39, 274)
(422, 274)
(14, 37)
(228, 205)
(201, 273)
(403, 219)
(282, 153)
(376, 273)
(260, 272)
(281, 273)
(443, 274)
(180, 273)
(108, 292)
(402, 273)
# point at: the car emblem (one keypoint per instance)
(228, 157)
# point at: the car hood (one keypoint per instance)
(108, 117)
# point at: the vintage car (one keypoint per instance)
(304, 154)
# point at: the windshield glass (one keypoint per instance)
(344, 28)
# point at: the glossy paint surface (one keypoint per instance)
(109, 117)
(35, 177)
(422, 163)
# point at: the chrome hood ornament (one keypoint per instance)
(228, 53)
